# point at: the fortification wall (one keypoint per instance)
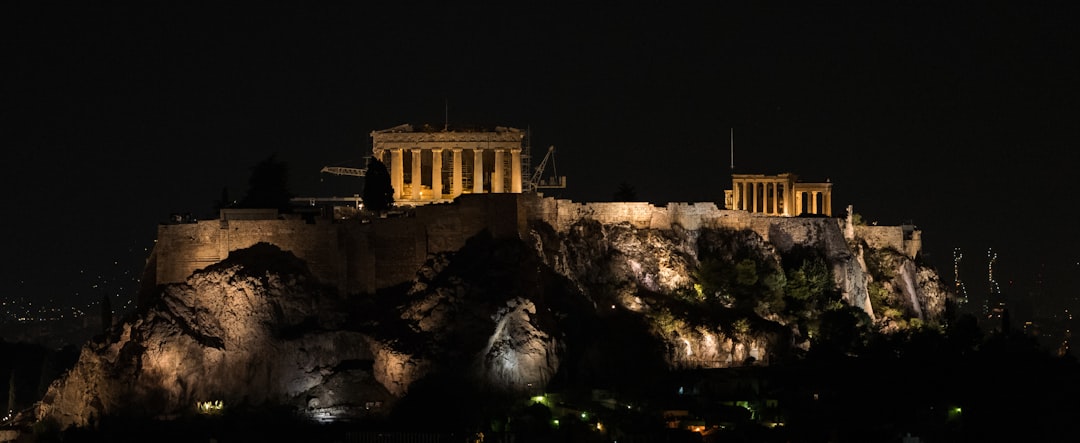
(182, 249)
(879, 237)
(353, 255)
(561, 214)
(359, 256)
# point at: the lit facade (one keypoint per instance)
(429, 166)
(780, 195)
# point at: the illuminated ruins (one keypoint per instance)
(780, 194)
(431, 166)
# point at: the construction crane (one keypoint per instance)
(537, 181)
(340, 170)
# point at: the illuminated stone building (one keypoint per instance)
(781, 195)
(428, 165)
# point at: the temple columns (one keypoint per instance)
(753, 197)
(497, 174)
(515, 171)
(478, 172)
(417, 180)
(436, 174)
(397, 173)
(455, 187)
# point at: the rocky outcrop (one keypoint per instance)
(249, 332)
(580, 306)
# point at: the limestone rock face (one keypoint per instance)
(915, 291)
(485, 314)
(591, 304)
(250, 331)
(518, 355)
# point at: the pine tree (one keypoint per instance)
(378, 193)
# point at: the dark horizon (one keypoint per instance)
(956, 118)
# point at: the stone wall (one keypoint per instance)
(359, 256)
(353, 255)
(880, 237)
(561, 214)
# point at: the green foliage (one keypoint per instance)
(842, 331)
(747, 286)
(746, 273)
(877, 264)
(810, 280)
(741, 326)
(879, 296)
(666, 322)
(378, 192)
(857, 219)
(713, 278)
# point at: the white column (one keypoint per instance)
(753, 199)
(743, 198)
(734, 195)
(417, 180)
(827, 201)
(776, 198)
(478, 171)
(787, 198)
(436, 174)
(813, 202)
(455, 187)
(397, 172)
(497, 174)
(515, 170)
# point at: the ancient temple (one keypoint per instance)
(428, 165)
(781, 195)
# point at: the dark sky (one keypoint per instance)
(961, 119)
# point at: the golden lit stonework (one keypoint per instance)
(780, 194)
(428, 165)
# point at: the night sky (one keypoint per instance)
(961, 119)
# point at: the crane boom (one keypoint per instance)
(340, 170)
(536, 182)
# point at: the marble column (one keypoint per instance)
(497, 173)
(813, 202)
(742, 195)
(734, 195)
(455, 187)
(478, 172)
(515, 170)
(436, 174)
(397, 172)
(754, 197)
(776, 198)
(417, 180)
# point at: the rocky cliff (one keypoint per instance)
(595, 305)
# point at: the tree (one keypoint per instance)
(625, 193)
(268, 186)
(378, 193)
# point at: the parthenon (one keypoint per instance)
(780, 194)
(494, 165)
